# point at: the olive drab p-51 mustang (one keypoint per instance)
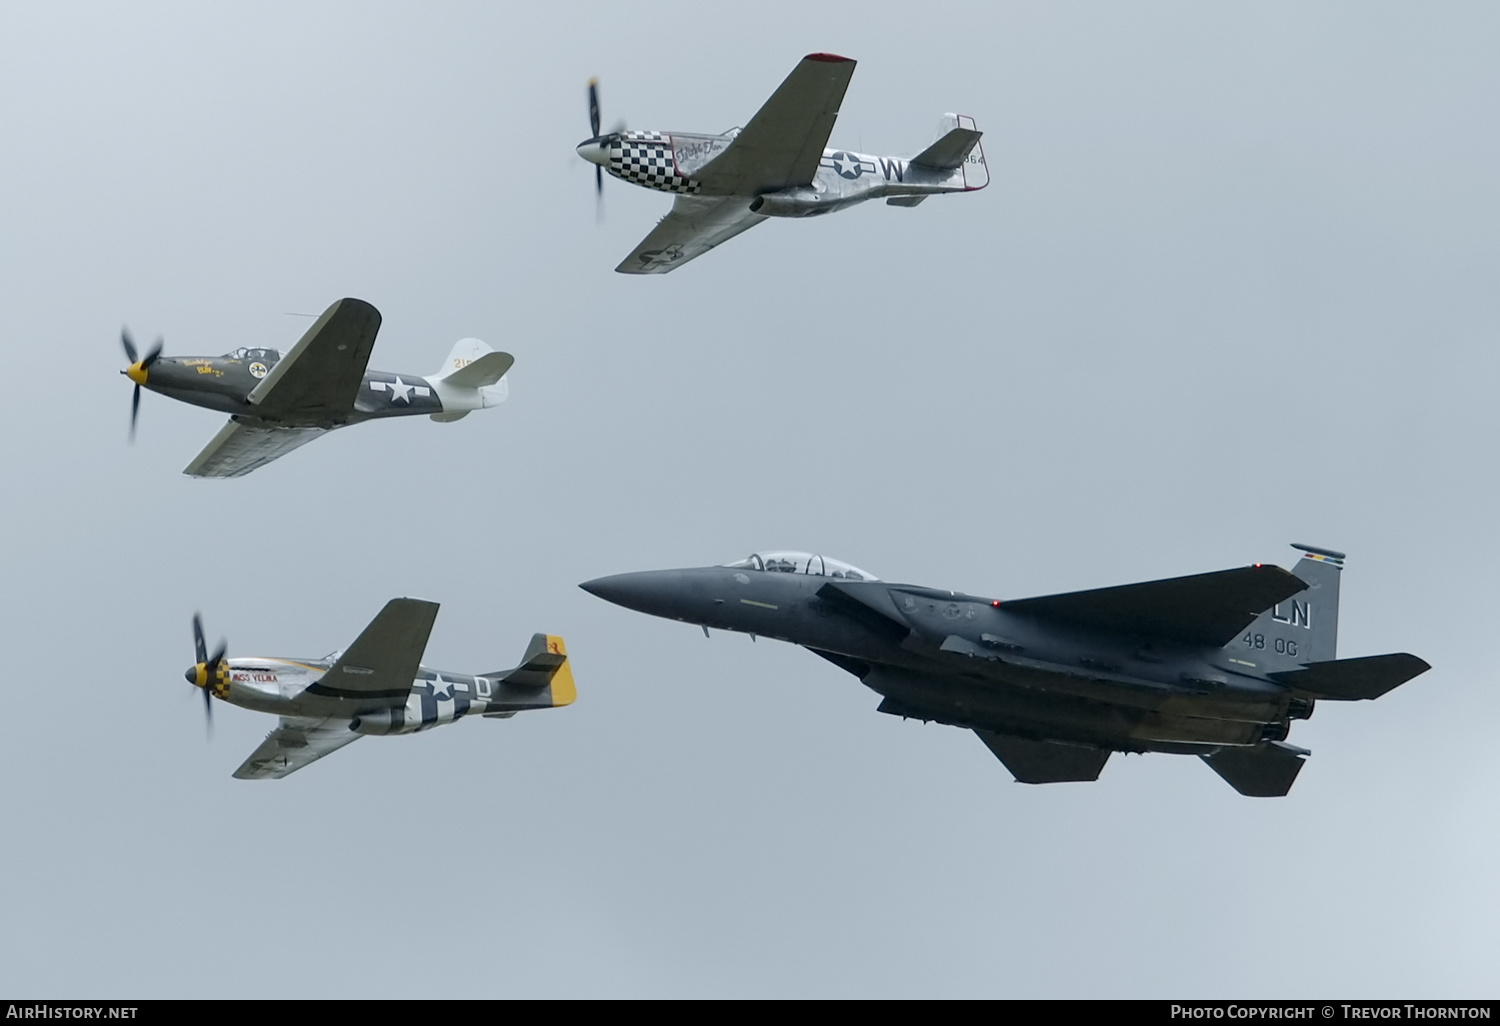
(375, 686)
(776, 166)
(277, 402)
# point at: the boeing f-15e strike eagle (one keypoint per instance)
(276, 403)
(1216, 665)
(375, 686)
(776, 166)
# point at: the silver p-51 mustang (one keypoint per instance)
(776, 166)
(375, 686)
(277, 402)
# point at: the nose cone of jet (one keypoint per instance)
(595, 150)
(656, 592)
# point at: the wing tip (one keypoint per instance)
(829, 58)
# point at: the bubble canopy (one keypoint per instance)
(254, 354)
(801, 563)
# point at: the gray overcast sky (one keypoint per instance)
(1233, 285)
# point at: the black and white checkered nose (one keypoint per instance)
(596, 150)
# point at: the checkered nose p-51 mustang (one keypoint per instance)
(277, 402)
(375, 686)
(776, 166)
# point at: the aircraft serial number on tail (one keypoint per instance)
(1280, 645)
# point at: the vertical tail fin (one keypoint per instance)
(473, 364)
(1304, 628)
(472, 378)
(543, 680)
(957, 147)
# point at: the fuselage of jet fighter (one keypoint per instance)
(944, 652)
(1204, 665)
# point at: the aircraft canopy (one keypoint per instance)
(255, 354)
(802, 563)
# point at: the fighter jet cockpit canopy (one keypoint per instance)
(801, 563)
(268, 355)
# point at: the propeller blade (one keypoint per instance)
(208, 713)
(200, 648)
(128, 344)
(217, 658)
(598, 180)
(135, 409)
(593, 107)
(155, 353)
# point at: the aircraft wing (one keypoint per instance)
(294, 744)
(321, 375)
(694, 226)
(239, 448)
(1204, 609)
(384, 659)
(782, 144)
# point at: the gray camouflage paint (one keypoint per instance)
(971, 662)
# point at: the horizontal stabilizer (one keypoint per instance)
(1265, 771)
(1204, 609)
(1044, 762)
(483, 372)
(1349, 680)
(948, 152)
